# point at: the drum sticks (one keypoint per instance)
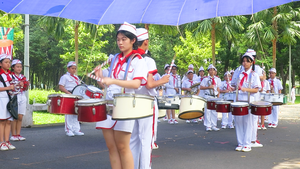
(97, 68)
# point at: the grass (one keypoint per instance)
(47, 118)
(297, 101)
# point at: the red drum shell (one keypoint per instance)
(261, 108)
(223, 107)
(63, 104)
(239, 110)
(91, 113)
(211, 105)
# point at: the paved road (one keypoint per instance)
(182, 146)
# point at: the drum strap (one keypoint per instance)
(249, 86)
(112, 64)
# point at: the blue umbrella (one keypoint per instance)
(162, 12)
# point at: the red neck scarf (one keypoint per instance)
(22, 78)
(174, 77)
(244, 78)
(227, 85)
(7, 74)
(213, 81)
(262, 84)
(272, 82)
(76, 78)
(121, 62)
(191, 82)
(140, 51)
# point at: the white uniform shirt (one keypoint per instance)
(4, 93)
(188, 83)
(266, 86)
(136, 71)
(68, 81)
(277, 84)
(234, 79)
(255, 83)
(174, 82)
(225, 85)
(151, 67)
(204, 83)
(105, 72)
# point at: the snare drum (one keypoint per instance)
(191, 107)
(274, 98)
(63, 103)
(87, 91)
(129, 106)
(261, 108)
(91, 110)
(211, 102)
(239, 108)
(223, 106)
(168, 102)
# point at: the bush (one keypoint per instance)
(40, 96)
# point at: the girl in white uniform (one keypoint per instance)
(244, 124)
(166, 68)
(66, 84)
(265, 88)
(276, 87)
(5, 117)
(199, 79)
(22, 101)
(211, 116)
(117, 133)
(227, 118)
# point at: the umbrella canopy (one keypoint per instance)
(162, 12)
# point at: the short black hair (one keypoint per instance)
(247, 57)
(131, 36)
(140, 43)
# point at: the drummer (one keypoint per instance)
(166, 68)
(173, 88)
(243, 124)
(190, 67)
(265, 88)
(199, 79)
(276, 87)
(186, 87)
(227, 118)
(66, 84)
(117, 134)
(211, 90)
(145, 129)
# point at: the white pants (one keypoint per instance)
(210, 118)
(254, 119)
(243, 128)
(155, 117)
(293, 99)
(72, 123)
(273, 117)
(227, 119)
(22, 102)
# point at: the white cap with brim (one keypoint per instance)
(251, 51)
(71, 63)
(5, 56)
(211, 66)
(191, 66)
(166, 65)
(189, 71)
(272, 70)
(128, 27)
(227, 73)
(249, 55)
(201, 69)
(142, 34)
(16, 61)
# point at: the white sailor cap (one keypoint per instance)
(173, 65)
(16, 61)
(128, 27)
(189, 71)
(227, 73)
(5, 56)
(249, 55)
(201, 69)
(166, 65)
(191, 66)
(142, 34)
(272, 70)
(71, 63)
(251, 51)
(211, 66)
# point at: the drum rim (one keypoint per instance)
(214, 99)
(245, 105)
(65, 96)
(223, 102)
(133, 95)
(193, 96)
(199, 111)
(100, 102)
(255, 105)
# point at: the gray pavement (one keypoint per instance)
(181, 146)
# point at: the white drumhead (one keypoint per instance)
(89, 102)
(237, 104)
(80, 90)
(94, 89)
(261, 103)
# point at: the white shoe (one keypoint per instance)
(223, 127)
(274, 125)
(194, 121)
(208, 129)
(158, 121)
(154, 146)
(70, 134)
(78, 133)
(170, 121)
(215, 128)
(258, 127)
(256, 144)
(10, 146)
(239, 148)
(14, 138)
(21, 138)
(231, 126)
(188, 121)
(246, 149)
(175, 121)
(165, 118)
(200, 119)
(3, 147)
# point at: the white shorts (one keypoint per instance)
(22, 102)
(4, 114)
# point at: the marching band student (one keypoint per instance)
(293, 94)
(66, 84)
(145, 129)
(173, 88)
(117, 134)
(265, 88)
(276, 87)
(22, 101)
(227, 118)
(186, 87)
(190, 67)
(211, 116)
(200, 78)
(166, 68)
(244, 124)
(5, 117)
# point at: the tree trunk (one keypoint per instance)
(76, 42)
(147, 26)
(274, 40)
(293, 77)
(213, 43)
(229, 43)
